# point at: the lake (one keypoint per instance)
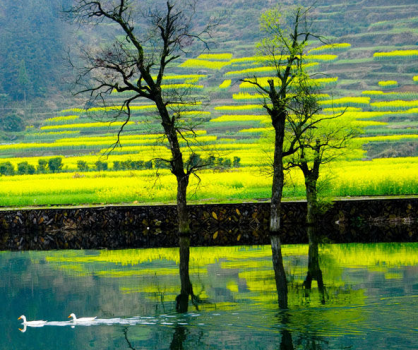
(367, 298)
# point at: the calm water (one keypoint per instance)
(369, 301)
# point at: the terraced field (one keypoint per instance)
(371, 72)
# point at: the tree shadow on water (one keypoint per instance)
(301, 340)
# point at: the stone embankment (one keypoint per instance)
(368, 220)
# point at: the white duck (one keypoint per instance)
(82, 319)
(39, 323)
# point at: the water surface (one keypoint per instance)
(369, 300)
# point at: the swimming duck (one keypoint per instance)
(82, 319)
(39, 323)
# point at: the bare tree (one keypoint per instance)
(320, 139)
(286, 38)
(137, 65)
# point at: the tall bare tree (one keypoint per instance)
(137, 65)
(286, 36)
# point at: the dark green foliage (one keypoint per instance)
(12, 123)
(211, 160)
(117, 165)
(148, 165)
(101, 166)
(161, 164)
(226, 163)
(32, 45)
(137, 164)
(6, 168)
(82, 165)
(131, 165)
(42, 166)
(25, 168)
(55, 164)
(194, 160)
(236, 161)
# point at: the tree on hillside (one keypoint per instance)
(137, 65)
(320, 139)
(284, 45)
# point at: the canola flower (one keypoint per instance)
(379, 176)
(257, 96)
(415, 78)
(257, 130)
(54, 133)
(182, 86)
(372, 92)
(404, 54)
(388, 83)
(239, 118)
(388, 138)
(378, 94)
(248, 96)
(262, 59)
(133, 108)
(225, 84)
(395, 105)
(197, 63)
(263, 81)
(342, 109)
(347, 101)
(184, 77)
(238, 107)
(330, 47)
(69, 118)
(85, 125)
(216, 56)
(265, 69)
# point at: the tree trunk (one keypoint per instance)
(279, 273)
(182, 210)
(278, 177)
(177, 166)
(312, 200)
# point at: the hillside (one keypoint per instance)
(371, 70)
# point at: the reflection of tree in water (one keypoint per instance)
(125, 332)
(186, 291)
(302, 341)
(182, 300)
(314, 270)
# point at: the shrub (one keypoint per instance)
(25, 168)
(236, 161)
(55, 164)
(7, 168)
(117, 165)
(42, 166)
(82, 165)
(101, 166)
(148, 165)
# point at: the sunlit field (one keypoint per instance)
(231, 126)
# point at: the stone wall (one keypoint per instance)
(219, 224)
